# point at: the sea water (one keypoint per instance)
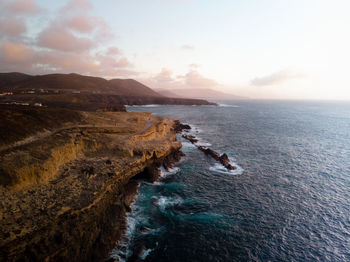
(288, 199)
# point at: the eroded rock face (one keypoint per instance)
(75, 211)
(179, 127)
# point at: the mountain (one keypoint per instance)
(198, 93)
(167, 93)
(9, 78)
(17, 82)
(78, 92)
(130, 87)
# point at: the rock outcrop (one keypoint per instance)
(64, 194)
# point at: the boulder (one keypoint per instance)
(190, 138)
(178, 127)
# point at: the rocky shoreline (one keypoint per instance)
(63, 196)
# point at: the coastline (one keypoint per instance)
(70, 200)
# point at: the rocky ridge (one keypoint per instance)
(222, 159)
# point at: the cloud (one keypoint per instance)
(13, 53)
(81, 23)
(74, 29)
(113, 51)
(13, 15)
(194, 66)
(277, 78)
(12, 27)
(192, 79)
(80, 5)
(112, 58)
(20, 57)
(58, 38)
(22, 7)
(73, 41)
(165, 76)
(187, 47)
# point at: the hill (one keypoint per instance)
(198, 93)
(78, 92)
(10, 78)
(17, 82)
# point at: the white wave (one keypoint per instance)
(133, 219)
(164, 202)
(225, 105)
(219, 168)
(202, 143)
(194, 131)
(171, 171)
(186, 145)
(145, 253)
(158, 183)
(152, 105)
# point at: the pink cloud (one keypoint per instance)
(112, 58)
(16, 53)
(81, 23)
(66, 62)
(187, 47)
(12, 27)
(165, 76)
(72, 42)
(112, 51)
(77, 5)
(58, 38)
(194, 79)
(165, 80)
(24, 7)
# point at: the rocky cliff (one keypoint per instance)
(64, 191)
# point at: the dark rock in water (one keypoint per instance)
(226, 162)
(210, 152)
(223, 159)
(190, 138)
(180, 127)
(144, 229)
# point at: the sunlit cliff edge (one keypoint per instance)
(66, 178)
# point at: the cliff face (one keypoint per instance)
(64, 193)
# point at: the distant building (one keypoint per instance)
(6, 94)
(75, 92)
(38, 104)
(31, 92)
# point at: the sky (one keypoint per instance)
(262, 49)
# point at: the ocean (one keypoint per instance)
(288, 199)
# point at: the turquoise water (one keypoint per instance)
(289, 199)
